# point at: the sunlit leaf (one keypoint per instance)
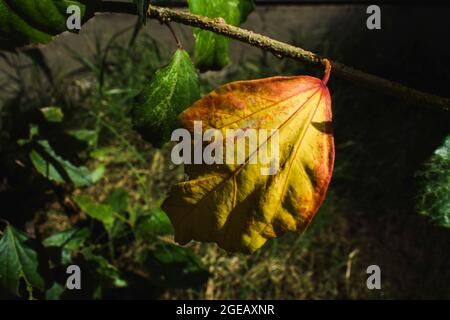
(173, 89)
(236, 205)
(212, 50)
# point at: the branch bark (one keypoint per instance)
(282, 49)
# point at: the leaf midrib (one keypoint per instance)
(18, 261)
(246, 161)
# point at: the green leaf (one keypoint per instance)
(212, 50)
(173, 266)
(434, 195)
(118, 200)
(154, 222)
(103, 154)
(108, 274)
(69, 241)
(55, 168)
(55, 292)
(33, 132)
(101, 212)
(18, 261)
(15, 29)
(76, 243)
(53, 114)
(84, 135)
(61, 238)
(114, 221)
(173, 89)
(24, 22)
(98, 173)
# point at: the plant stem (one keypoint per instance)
(281, 49)
(177, 40)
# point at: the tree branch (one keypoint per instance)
(282, 49)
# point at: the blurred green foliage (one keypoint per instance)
(57, 147)
(434, 194)
(29, 22)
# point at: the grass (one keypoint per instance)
(324, 263)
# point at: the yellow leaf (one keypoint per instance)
(237, 205)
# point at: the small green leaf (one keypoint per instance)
(98, 173)
(76, 243)
(84, 135)
(434, 195)
(55, 292)
(33, 132)
(53, 114)
(173, 89)
(115, 222)
(101, 212)
(18, 261)
(61, 238)
(154, 222)
(118, 200)
(55, 168)
(108, 274)
(69, 241)
(212, 50)
(103, 154)
(173, 266)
